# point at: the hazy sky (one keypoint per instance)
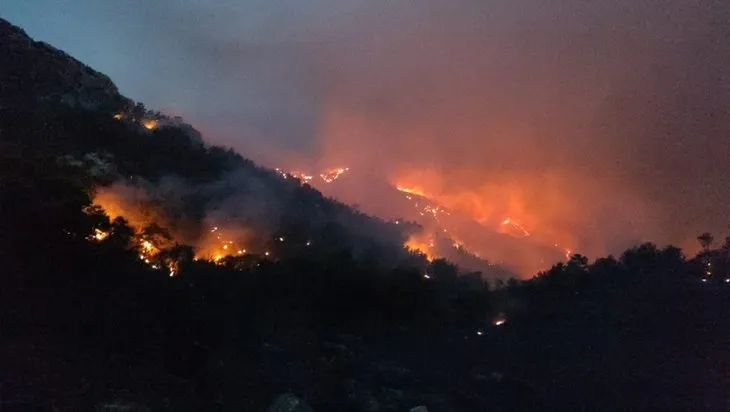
(596, 122)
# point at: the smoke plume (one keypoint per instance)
(594, 124)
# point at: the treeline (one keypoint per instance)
(58, 286)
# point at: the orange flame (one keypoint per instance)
(330, 175)
(417, 244)
(415, 190)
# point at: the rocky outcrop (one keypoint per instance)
(33, 71)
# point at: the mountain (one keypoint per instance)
(130, 246)
(143, 269)
(55, 106)
(59, 76)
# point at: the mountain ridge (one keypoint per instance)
(60, 77)
(71, 83)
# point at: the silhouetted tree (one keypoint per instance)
(706, 240)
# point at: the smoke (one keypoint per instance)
(239, 211)
(249, 210)
(143, 204)
(594, 124)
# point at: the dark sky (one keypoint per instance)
(598, 123)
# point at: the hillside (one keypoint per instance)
(143, 269)
(56, 107)
(447, 233)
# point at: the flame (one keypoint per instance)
(118, 116)
(220, 243)
(327, 175)
(417, 244)
(411, 190)
(503, 206)
(330, 175)
(510, 222)
(99, 235)
(306, 178)
(149, 124)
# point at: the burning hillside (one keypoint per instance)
(441, 232)
(242, 218)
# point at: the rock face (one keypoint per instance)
(33, 71)
(289, 403)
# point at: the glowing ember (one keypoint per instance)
(327, 176)
(330, 175)
(99, 235)
(147, 246)
(301, 176)
(149, 124)
(219, 244)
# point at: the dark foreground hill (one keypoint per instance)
(338, 314)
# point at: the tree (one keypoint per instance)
(120, 233)
(706, 240)
(641, 259)
(441, 269)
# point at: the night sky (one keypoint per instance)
(600, 122)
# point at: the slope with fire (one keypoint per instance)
(507, 247)
(139, 262)
(155, 173)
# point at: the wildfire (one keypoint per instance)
(510, 222)
(219, 245)
(330, 175)
(301, 176)
(488, 211)
(99, 235)
(327, 176)
(421, 246)
(149, 124)
(412, 190)
(147, 252)
(152, 242)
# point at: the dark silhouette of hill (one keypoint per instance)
(338, 313)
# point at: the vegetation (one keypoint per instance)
(345, 318)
